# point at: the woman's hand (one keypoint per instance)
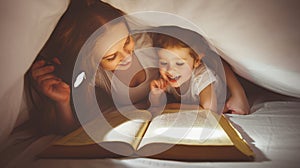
(237, 104)
(49, 84)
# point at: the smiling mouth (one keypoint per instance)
(173, 79)
(126, 62)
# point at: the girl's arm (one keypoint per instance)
(208, 98)
(156, 96)
(207, 101)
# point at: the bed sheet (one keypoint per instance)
(272, 131)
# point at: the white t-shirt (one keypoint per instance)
(200, 79)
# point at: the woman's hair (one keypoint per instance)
(80, 21)
(177, 37)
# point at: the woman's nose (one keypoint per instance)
(127, 50)
(125, 53)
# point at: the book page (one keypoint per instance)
(113, 127)
(186, 127)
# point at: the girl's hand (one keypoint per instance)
(156, 96)
(49, 84)
(158, 86)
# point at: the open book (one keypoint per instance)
(176, 135)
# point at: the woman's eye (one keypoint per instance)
(127, 40)
(179, 63)
(113, 57)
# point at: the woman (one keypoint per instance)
(77, 24)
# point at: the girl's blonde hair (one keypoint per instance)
(174, 36)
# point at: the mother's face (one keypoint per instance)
(117, 46)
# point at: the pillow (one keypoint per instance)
(25, 27)
(258, 38)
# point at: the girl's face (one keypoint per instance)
(176, 65)
(119, 53)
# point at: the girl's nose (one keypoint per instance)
(171, 67)
(171, 72)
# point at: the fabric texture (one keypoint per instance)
(25, 27)
(260, 39)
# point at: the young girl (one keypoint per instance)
(187, 78)
(183, 73)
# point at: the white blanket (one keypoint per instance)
(260, 39)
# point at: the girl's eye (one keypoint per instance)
(163, 63)
(179, 63)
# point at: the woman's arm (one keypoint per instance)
(59, 117)
(237, 103)
(183, 106)
(65, 118)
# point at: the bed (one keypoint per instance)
(260, 39)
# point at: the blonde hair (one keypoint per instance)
(80, 21)
(177, 37)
